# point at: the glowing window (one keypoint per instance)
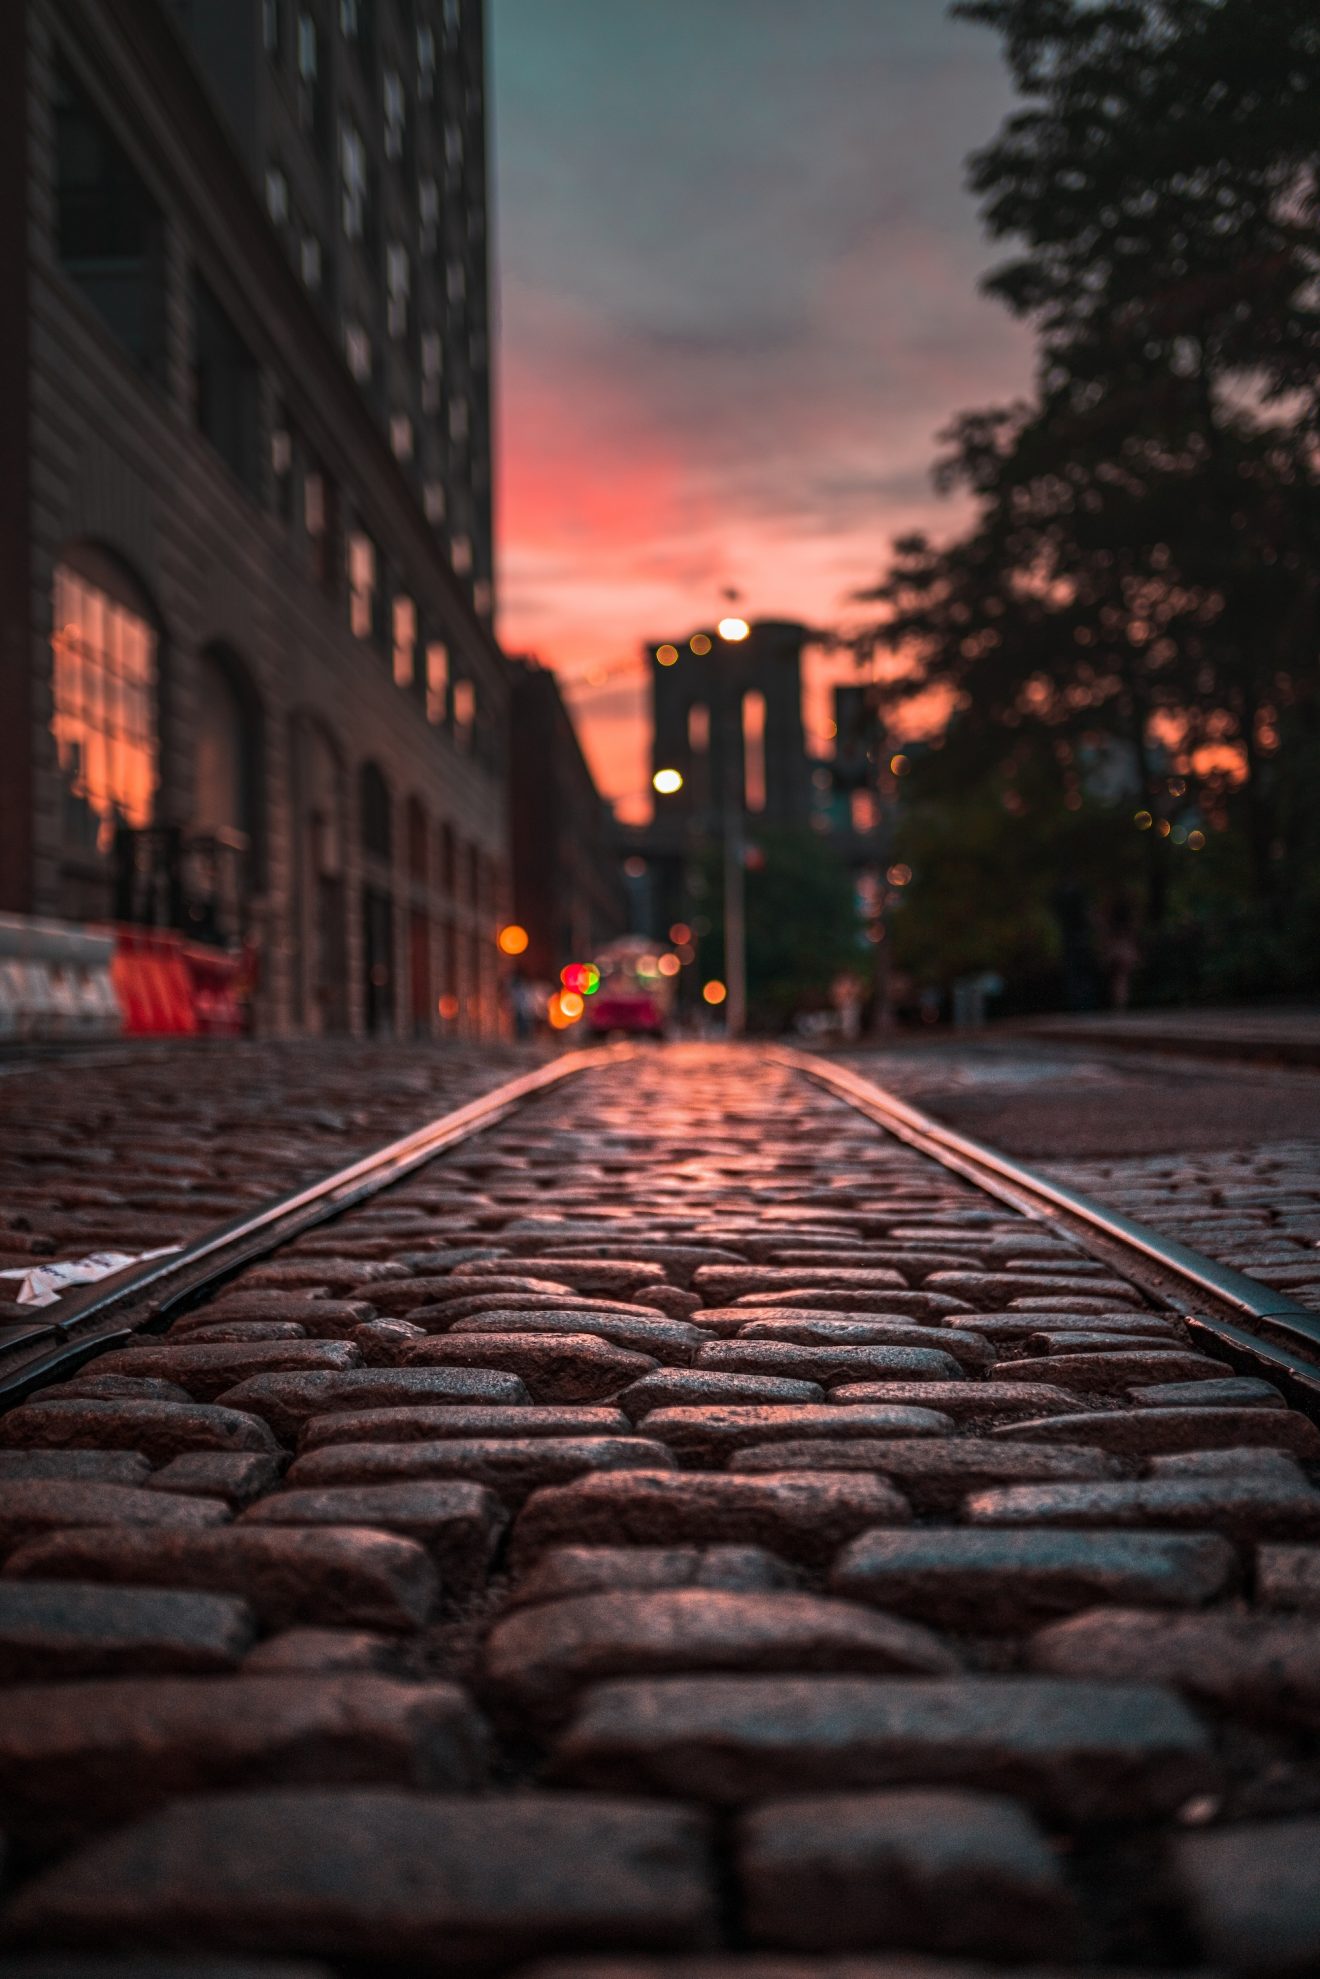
(361, 583)
(465, 712)
(437, 681)
(753, 727)
(104, 713)
(405, 641)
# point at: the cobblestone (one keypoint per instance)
(679, 1533)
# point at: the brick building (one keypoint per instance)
(247, 680)
(568, 888)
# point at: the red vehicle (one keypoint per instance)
(633, 996)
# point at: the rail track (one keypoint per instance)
(648, 1511)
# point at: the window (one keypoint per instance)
(405, 641)
(375, 822)
(272, 25)
(451, 17)
(307, 50)
(108, 229)
(104, 706)
(398, 287)
(309, 92)
(753, 728)
(453, 147)
(314, 504)
(456, 281)
(350, 19)
(437, 681)
(395, 113)
(460, 555)
(310, 261)
(353, 175)
(281, 466)
(465, 713)
(433, 502)
(227, 388)
(357, 349)
(698, 728)
(428, 215)
(432, 353)
(481, 598)
(425, 64)
(458, 420)
(361, 583)
(277, 195)
(401, 436)
(321, 521)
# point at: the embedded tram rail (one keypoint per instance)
(650, 1522)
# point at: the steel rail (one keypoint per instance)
(89, 1321)
(1250, 1323)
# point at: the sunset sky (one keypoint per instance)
(737, 283)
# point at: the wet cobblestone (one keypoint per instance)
(631, 1543)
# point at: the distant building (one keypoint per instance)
(248, 687)
(568, 890)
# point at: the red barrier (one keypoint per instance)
(169, 988)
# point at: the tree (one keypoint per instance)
(803, 927)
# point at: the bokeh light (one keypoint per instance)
(564, 1009)
(714, 992)
(580, 978)
(669, 965)
(667, 782)
(734, 628)
(699, 642)
(513, 940)
(667, 655)
(680, 933)
(448, 1008)
(899, 875)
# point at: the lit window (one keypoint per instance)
(432, 362)
(395, 112)
(104, 712)
(458, 419)
(437, 681)
(401, 436)
(465, 712)
(460, 555)
(433, 501)
(314, 505)
(277, 195)
(425, 64)
(398, 287)
(353, 172)
(361, 583)
(405, 641)
(281, 451)
(428, 215)
(753, 728)
(307, 48)
(357, 348)
(310, 261)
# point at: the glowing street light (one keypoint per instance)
(667, 782)
(513, 940)
(714, 992)
(733, 628)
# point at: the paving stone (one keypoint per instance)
(1254, 1665)
(135, 1965)
(930, 1870)
(610, 1275)
(1233, 1463)
(671, 1387)
(323, 1652)
(286, 1401)
(1006, 1287)
(432, 1424)
(1063, 1329)
(337, 1274)
(111, 1386)
(1289, 1577)
(1080, 1752)
(1109, 1371)
(458, 1524)
(1151, 1432)
(240, 1332)
(236, 1476)
(353, 1578)
(1102, 1338)
(380, 1876)
(894, 1304)
(75, 1753)
(933, 1473)
(801, 1516)
(715, 1433)
(1253, 1895)
(1237, 1391)
(565, 1367)
(40, 1505)
(539, 1657)
(965, 1401)
(828, 1365)
(323, 1318)
(679, 1261)
(78, 1466)
(718, 1282)
(993, 1581)
(385, 1342)
(160, 1430)
(205, 1372)
(59, 1629)
(1243, 1509)
(564, 1571)
(832, 1330)
(510, 1466)
(674, 1341)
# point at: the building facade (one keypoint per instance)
(243, 688)
(568, 888)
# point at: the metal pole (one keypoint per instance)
(735, 920)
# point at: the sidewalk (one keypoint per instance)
(1284, 1036)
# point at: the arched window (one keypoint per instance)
(374, 822)
(104, 691)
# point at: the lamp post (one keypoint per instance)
(733, 631)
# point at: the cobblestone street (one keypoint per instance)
(678, 1531)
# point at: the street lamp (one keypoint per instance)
(733, 631)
